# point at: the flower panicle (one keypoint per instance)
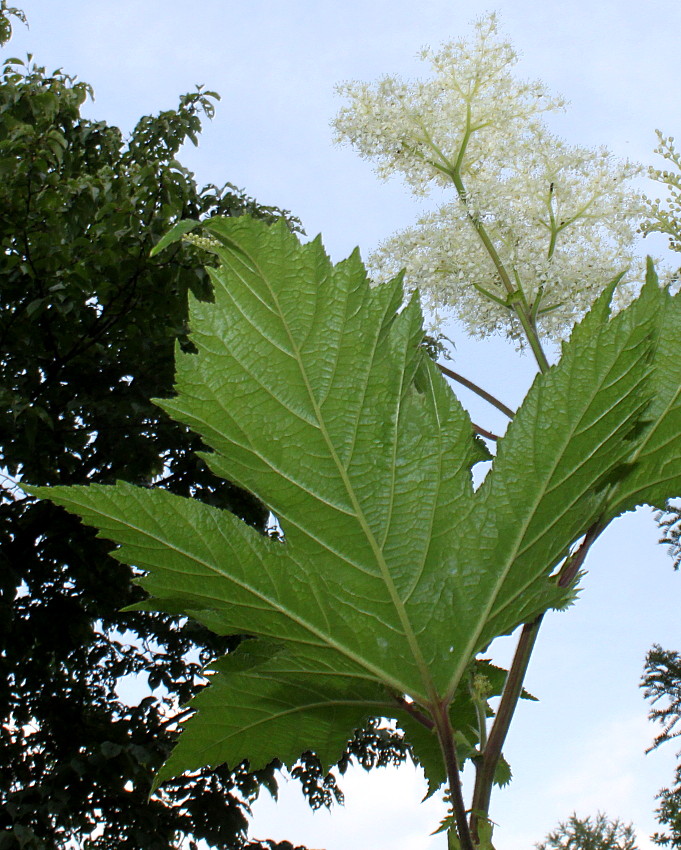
(532, 220)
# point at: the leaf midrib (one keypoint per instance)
(326, 641)
(361, 519)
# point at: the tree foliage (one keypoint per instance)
(598, 833)
(6, 15)
(662, 684)
(88, 324)
(393, 574)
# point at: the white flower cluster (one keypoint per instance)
(665, 216)
(535, 224)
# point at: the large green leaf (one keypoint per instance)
(271, 696)
(313, 392)
(315, 395)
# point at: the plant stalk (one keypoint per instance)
(487, 764)
(445, 735)
(465, 382)
(483, 432)
(521, 309)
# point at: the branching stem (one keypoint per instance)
(517, 301)
(418, 715)
(489, 435)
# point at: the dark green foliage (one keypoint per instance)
(670, 523)
(598, 833)
(662, 683)
(88, 324)
(669, 815)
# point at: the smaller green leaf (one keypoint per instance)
(176, 232)
(503, 773)
(485, 829)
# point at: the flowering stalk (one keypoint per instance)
(536, 228)
(516, 297)
(535, 231)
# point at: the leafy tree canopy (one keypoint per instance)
(88, 323)
(6, 15)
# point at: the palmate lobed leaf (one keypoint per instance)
(313, 393)
(345, 430)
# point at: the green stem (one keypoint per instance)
(453, 171)
(481, 713)
(521, 309)
(553, 228)
(490, 295)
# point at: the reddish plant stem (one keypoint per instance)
(487, 764)
(507, 411)
(485, 433)
(418, 715)
(445, 735)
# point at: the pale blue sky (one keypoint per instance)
(275, 64)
